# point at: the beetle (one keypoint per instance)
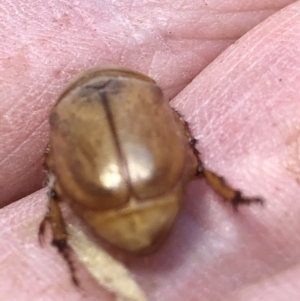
(121, 158)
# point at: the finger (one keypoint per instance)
(281, 286)
(31, 272)
(244, 110)
(52, 43)
(212, 251)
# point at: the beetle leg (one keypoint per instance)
(216, 182)
(55, 219)
(219, 185)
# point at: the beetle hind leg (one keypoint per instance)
(59, 235)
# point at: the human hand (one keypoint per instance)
(243, 108)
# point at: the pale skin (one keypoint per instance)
(244, 109)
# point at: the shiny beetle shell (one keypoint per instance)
(120, 156)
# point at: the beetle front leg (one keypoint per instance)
(219, 185)
(59, 235)
(216, 182)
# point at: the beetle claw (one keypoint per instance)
(41, 240)
(65, 250)
(239, 199)
(41, 233)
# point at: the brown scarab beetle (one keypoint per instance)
(121, 158)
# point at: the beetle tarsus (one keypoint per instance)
(219, 185)
(41, 233)
(193, 142)
(65, 250)
(239, 200)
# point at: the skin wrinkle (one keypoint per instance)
(232, 68)
(19, 146)
(10, 112)
(24, 176)
(241, 294)
(53, 279)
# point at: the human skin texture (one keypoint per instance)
(243, 108)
